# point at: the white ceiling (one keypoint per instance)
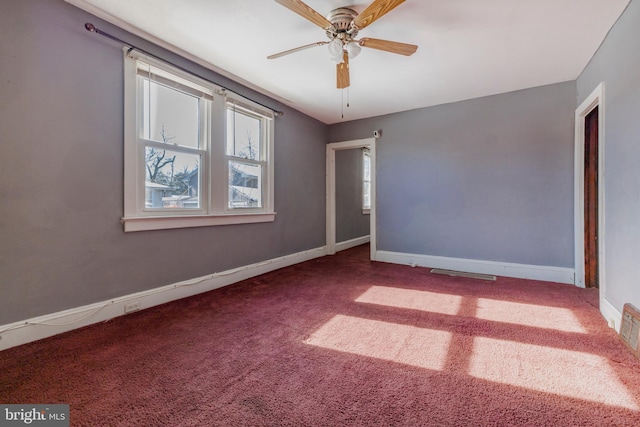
(467, 48)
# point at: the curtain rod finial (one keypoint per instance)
(90, 27)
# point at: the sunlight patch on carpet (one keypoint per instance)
(538, 316)
(406, 344)
(574, 374)
(412, 299)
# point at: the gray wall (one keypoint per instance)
(485, 179)
(350, 221)
(61, 180)
(617, 64)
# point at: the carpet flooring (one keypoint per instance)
(342, 341)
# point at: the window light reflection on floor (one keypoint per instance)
(539, 316)
(563, 372)
(412, 299)
(406, 344)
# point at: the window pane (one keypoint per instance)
(367, 195)
(366, 180)
(243, 135)
(367, 166)
(169, 115)
(172, 179)
(245, 185)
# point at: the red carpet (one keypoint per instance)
(340, 341)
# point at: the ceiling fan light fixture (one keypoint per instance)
(341, 27)
(353, 49)
(335, 48)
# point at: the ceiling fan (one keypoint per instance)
(341, 26)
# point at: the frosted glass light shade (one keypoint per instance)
(335, 47)
(337, 59)
(353, 49)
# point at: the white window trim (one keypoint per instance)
(215, 210)
(164, 222)
(267, 154)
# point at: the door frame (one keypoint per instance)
(331, 191)
(595, 99)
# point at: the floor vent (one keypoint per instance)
(630, 328)
(463, 274)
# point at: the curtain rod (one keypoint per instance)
(92, 28)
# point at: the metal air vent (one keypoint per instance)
(630, 328)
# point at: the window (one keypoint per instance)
(366, 180)
(245, 157)
(194, 154)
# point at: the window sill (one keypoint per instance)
(169, 222)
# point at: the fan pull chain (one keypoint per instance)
(342, 101)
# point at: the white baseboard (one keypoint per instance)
(521, 271)
(347, 244)
(610, 313)
(36, 328)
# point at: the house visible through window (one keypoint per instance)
(366, 180)
(194, 155)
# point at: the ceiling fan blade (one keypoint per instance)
(389, 46)
(306, 12)
(295, 49)
(343, 72)
(375, 11)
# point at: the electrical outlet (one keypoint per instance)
(132, 306)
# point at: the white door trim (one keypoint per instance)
(331, 190)
(595, 99)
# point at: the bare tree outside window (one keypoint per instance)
(249, 152)
(172, 189)
(156, 160)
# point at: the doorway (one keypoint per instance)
(591, 199)
(332, 148)
(589, 192)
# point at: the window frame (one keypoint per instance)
(237, 106)
(214, 166)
